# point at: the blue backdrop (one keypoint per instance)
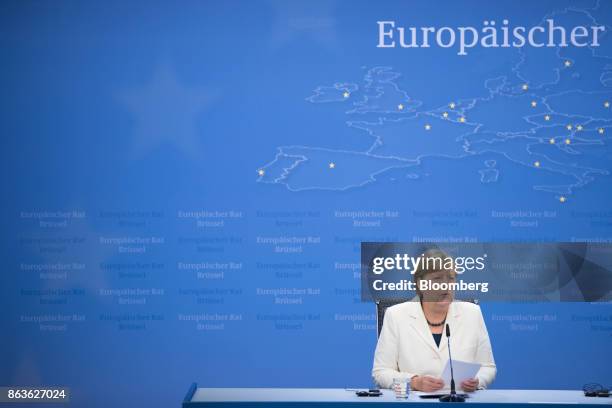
(185, 186)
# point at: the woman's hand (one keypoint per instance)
(470, 385)
(426, 383)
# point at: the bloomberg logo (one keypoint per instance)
(488, 36)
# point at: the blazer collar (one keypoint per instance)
(419, 322)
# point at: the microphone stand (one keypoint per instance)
(453, 396)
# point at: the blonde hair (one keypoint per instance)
(434, 260)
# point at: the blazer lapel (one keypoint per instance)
(453, 321)
(419, 323)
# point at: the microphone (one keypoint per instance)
(450, 360)
(453, 396)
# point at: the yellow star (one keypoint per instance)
(547, 117)
(568, 141)
(261, 172)
(427, 126)
(445, 114)
(525, 87)
(606, 104)
(551, 140)
(346, 94)
(451, 105)
(400, 106)
(579, 127)
(601, 131)
(562, 199)
(537, 164)
(462, 119)
(332, 165)
(534, 104)
(568, 63)
(569, 127)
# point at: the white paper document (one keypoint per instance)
(462, 371)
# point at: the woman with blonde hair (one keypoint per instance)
(410, 346)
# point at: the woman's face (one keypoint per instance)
(441, 297)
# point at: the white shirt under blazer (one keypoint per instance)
(407, 348)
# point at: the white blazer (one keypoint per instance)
(407, 348)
